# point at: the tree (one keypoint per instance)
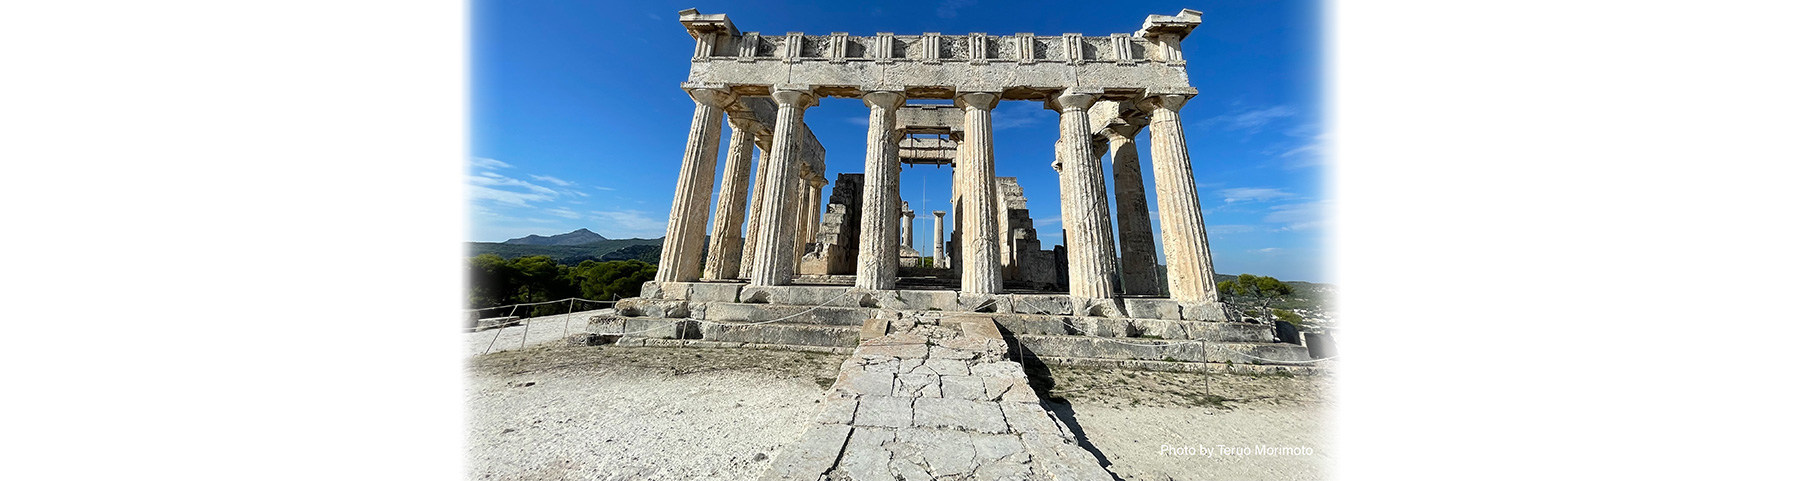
(1254, 291)
(605, 280)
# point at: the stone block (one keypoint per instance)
(945, 367)
(918, 300)
(589, 339)
(994, 303)
(1320, 346)
(874, 328)
(810, 456)
(1152, 308)
(1212, 312)
(712, 292)
(885, 411)
(651, 290)
(1287, 333)
(866, 383)
(963, 387)
(1057, 457)
(1060, 305)
(800, 295)
(1099, 326)
(962, 414)
(993, 447)
(639, 307)
(1101, 308)
(830, 316)
(777, 333)
(917, 385)
(979, 327)
(865, 457)
(948, 454)
(837, 408)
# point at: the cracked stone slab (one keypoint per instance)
(963, 414)
(963, 387)
(812, 455)
(865, 458)
(837, 408)
(918, 385)
(1029, 418)
(884, 411)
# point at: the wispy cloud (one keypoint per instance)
(563, 213)
(1224, 229)
(950, 8)
(857, 120)
(1301, 216)
(1312, 151)
(1266, 250)
(1046, 221)
(552, 180)
(1252, 194)
(1250, 121)
(1012, 119)
(486, 163)
(600, 187)
(629, 223)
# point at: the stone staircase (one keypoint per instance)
(1138, 333)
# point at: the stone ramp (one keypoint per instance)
(933, 399)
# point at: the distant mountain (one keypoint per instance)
(646, 250)
(578, 237)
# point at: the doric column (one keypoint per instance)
(909, 227)
(754, 215)
(1084, 200)
(982, 268)
(1189, 270)
(724, 261)
(813, 209)
(1133, 219)
(679, 251)
(877, 265)
(772, 258)
(940, 240)
(799, 219)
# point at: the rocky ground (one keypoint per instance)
(556, 412)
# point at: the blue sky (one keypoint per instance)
(577, 119)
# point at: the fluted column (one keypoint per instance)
(1084, 201)
(877, 265)
(755, 217)
(909, 227)
(772, 258)
(1189, 270)
(940, 240)
(982, 269)
(813, 208)
(724, 260)
(679, 251)
(799, 219)
(1133, 218)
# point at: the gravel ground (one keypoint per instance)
(1133, 417)
(558, 412)
(540, 330)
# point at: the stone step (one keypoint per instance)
(1133, 328)
(794, 314)
(1155, 350)
(782, 333)
(663, 298)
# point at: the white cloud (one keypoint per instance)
(551, 180)
(1311, 153)
(1267, 250)
(600, 187)
(486, 163)
(563, 213)
(1224, 229)
(488, 179)
(1250, 121)
(628, 223)
(1252, 194)
(1046, 221)
(1018, 118)
(521, 199)
(1301, 216)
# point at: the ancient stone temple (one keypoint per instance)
(792, 266)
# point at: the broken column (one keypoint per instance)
(940, 239)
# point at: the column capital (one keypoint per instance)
(793, 95)
(1119, 133)
(887, 100)
(940, 213)
(976, 100)
(744, 124)
(1071, 100)
(718, 98)
(1173, 100)
(817, 181)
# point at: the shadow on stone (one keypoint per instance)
(1040, 377)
